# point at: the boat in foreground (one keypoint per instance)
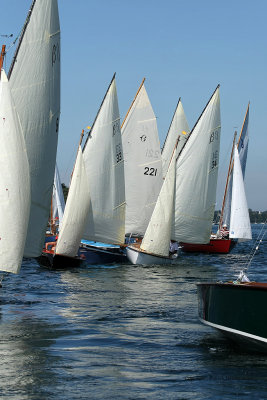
(237, 309)
(57, 261)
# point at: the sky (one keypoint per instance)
(183, 49)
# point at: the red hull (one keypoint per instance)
(214, 246)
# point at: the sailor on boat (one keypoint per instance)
(224, 232)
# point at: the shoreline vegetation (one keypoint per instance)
(256, 217)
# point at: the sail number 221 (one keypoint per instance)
(150, 171)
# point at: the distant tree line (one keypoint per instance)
(256, 217)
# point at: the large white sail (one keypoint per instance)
(14, 183)
(240, 222)
(76, 211)
(103, 157)
(142, 163)
(179, 127)
(243, 152)
(158, 234)
(58, 201)
(196, 177)
(35, 84)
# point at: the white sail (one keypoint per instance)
(196, 177)
(103, 157)
(243, 152)
(142, 163)
(179, 127)
(240, 222)
(35, 84)
(14, 183)
(58, 201)
(76, 211)
(158, 234)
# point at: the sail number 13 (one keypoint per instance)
(150, 171)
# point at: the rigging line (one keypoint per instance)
(257, 244)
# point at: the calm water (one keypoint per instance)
(123, 332)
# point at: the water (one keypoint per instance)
(123, 332)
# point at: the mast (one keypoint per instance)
(198, 120)
(171, 125)
(21, 38)
(227, 180)
(99, 110)
(2, 56)
(133, 102)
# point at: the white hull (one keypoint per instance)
(136, 256)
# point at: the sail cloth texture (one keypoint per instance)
(35, 85)
(196, 177)
(142, 164)
(58, 201)
(178, 128)
(240, 226)
(76, 211)
(103, 157)
(243, 152)
(14, 184)
(158, 234)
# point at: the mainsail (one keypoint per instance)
(179, 127)
(103, 158)
(240, 222)
(14, 183)
(142, 163)
(196, 177)
(242, 146)
(35, 85)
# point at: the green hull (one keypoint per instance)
(238, 310)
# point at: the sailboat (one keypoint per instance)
(14, 183)
(34, 78)
(185, 205)
(95, 207)
(178, 128)
(58, 201)
(142, 163)
(218, 243)
(235, 308)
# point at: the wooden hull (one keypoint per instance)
(222, 246)
(237, 310)
(136, 256)
(97, 255)
(58, 261)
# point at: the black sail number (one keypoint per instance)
(150, 171)
(55, 53)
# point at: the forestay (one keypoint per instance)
(196, 177)
(240, 222)
(158, 234)
(35, 85)
(103, 157)
(14, 183)
(179, 127)
(142, 163)
(76, 211)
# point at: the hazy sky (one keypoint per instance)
(183, 48)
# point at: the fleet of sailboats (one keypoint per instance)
(178, 214)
